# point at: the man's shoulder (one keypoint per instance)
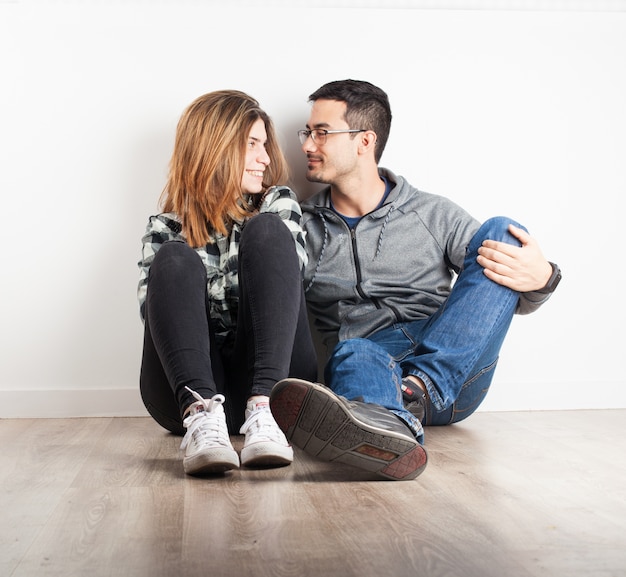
(317, 199)
(405, 193)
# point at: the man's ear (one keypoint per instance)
(368, 142)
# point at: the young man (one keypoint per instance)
(408, 346)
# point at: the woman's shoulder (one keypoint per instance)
(279, 192)
(165, 221)
(281, 200)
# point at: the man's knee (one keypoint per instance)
(350, 347)
(358, 355)
(497, 228)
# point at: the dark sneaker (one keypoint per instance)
(332, 428)
(414, 399)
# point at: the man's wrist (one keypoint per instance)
(553, 281)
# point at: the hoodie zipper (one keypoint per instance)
(357, 266)
(359, 278)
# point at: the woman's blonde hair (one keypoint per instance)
(204, 182)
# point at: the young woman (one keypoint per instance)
(220, 288)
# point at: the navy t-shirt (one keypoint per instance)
(352, 221)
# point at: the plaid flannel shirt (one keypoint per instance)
(220, 257)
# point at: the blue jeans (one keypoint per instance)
(454, 352)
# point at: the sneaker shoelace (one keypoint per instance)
(261, 425)
(206, 425)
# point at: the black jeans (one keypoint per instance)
(273, 339)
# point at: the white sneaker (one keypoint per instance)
(265, 444)
(206, 443)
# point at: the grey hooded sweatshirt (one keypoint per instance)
(396, 265)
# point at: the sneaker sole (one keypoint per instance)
(211, 462)
(315, 420)
(266, 454)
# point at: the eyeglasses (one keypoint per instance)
(318, 135)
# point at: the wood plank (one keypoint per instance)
(38, 462)
(515, 494)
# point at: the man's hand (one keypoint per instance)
(523, 269)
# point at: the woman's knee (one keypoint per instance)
(264, 227)
(176, 256)
(176, 262)
(267, 243)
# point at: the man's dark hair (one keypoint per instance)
(367, 107)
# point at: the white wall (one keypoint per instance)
(518, 112)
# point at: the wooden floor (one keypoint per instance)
(504, 494)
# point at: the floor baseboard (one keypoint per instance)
(68, 403)
(503, 397)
